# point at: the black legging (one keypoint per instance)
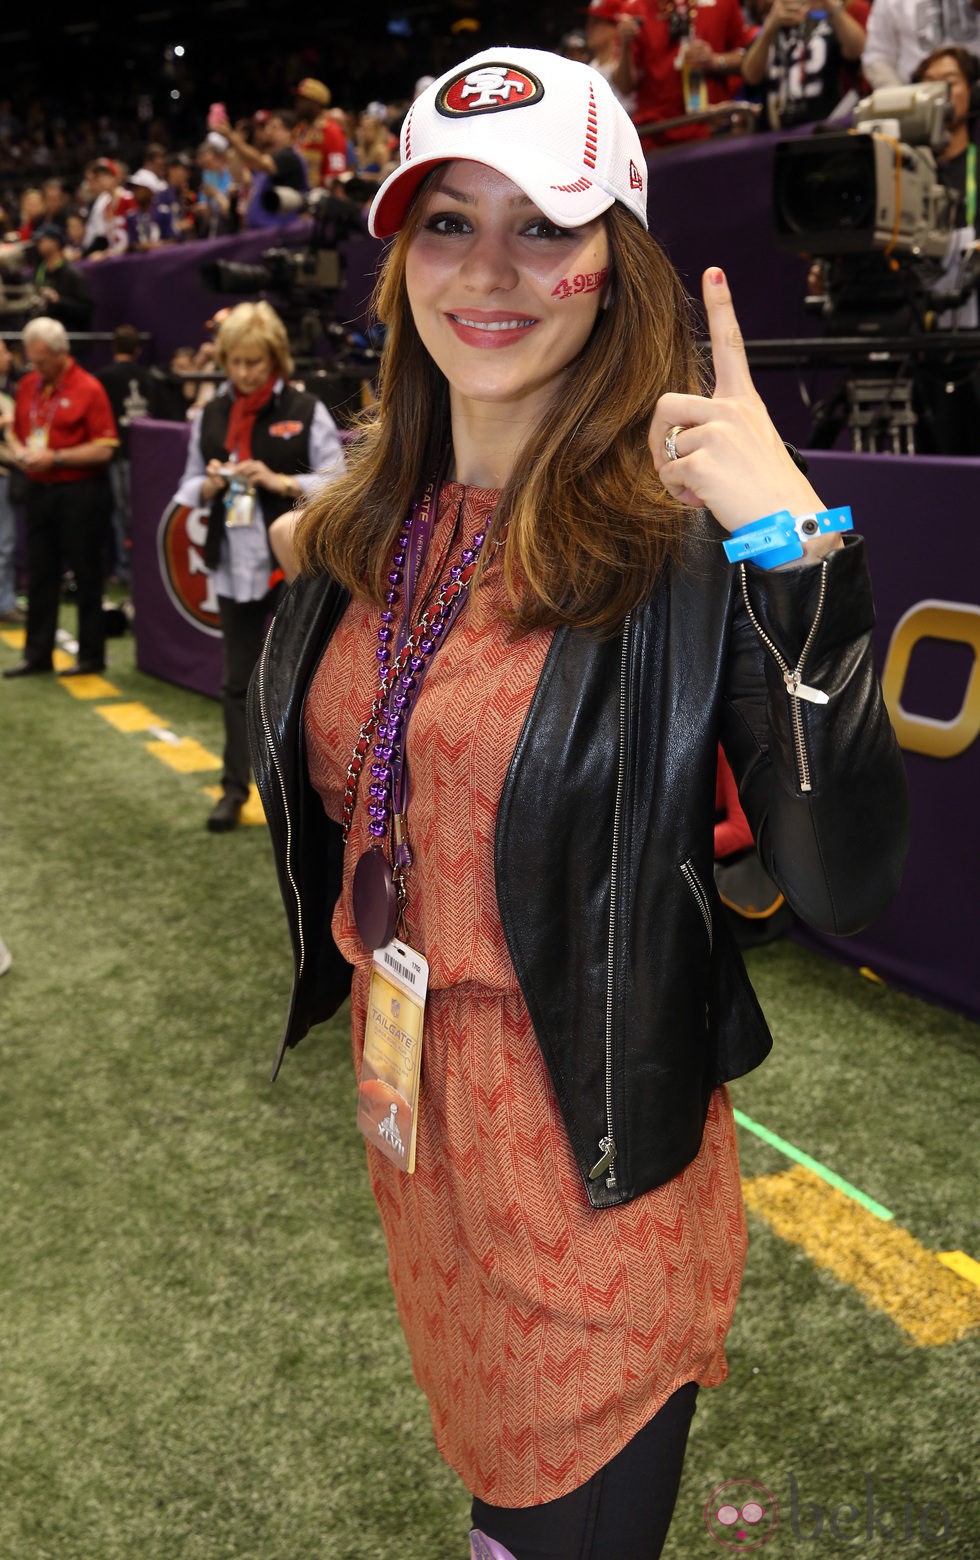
(624, 1510)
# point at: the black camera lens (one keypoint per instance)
(822, 188)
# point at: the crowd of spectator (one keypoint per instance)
(682, 68)
(164, 195)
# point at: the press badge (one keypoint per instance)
(239, 505)
(37, 439)
(391, 1069)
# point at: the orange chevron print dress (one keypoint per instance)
(544, 1334)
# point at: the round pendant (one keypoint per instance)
(375, 899)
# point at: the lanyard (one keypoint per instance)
(970, 193)
(51, 398)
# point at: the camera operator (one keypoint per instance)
(274, 162)
(257, 447)
(950, 405)
(799, 53)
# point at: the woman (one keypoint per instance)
(567, 1253)
(253, 452)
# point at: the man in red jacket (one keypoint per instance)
(64, 436)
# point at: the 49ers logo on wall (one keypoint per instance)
(487, 90)
(180, 547)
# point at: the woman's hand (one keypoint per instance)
(257, 474)
(214, 481)
(730, 459)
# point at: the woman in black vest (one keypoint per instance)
(259, 446)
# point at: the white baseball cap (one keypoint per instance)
(145, 179)
(552, 126)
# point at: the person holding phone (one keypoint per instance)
(273, 162)
(800, 52)
(255, 449)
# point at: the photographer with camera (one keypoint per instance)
(260, 445)
(799, 53)
(274, 162)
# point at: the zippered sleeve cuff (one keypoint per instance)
(786, 602)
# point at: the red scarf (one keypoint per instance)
(244, 410)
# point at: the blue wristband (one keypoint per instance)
(767, 542)
(779, 537)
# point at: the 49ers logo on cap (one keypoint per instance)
(180, 547)
(488, 89)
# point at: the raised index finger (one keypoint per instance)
(732, 376)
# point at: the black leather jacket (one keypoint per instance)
(604, 842)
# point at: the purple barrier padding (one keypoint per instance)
(711, 204)
(917, 514)
(162, 292)
(177, 634)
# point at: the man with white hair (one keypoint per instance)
(63, 438)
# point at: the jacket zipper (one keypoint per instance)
(700, 897)
(267, 728)
(607, 1144)
(793, 678)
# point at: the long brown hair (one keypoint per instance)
(591, 525)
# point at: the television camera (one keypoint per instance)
(871, 208)
(303, 285)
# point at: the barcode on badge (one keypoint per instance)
(401, 969)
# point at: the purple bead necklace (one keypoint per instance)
(379, 889)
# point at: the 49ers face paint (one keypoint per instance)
(581, 282)
(485, 276)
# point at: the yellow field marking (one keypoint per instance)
(185, 755)
(960, 1263)
(252, 812)
(93, 687)
(128, 717)
(884, 1263)
(90, 686)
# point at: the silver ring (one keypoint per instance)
(669, 442)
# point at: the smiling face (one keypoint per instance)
(502, 298)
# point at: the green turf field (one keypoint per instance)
(199, 1352)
